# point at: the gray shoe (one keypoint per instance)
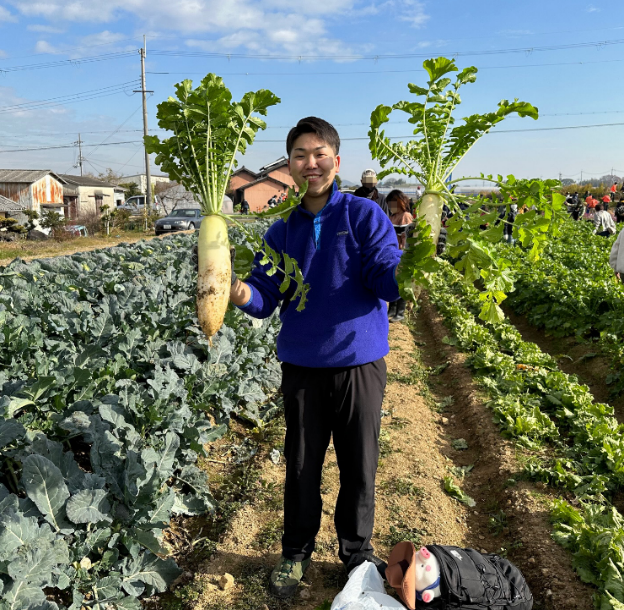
(286, 576)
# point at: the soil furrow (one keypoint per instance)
(430, 401)
(512, 514)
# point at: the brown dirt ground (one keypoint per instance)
(525, 529)
(571, 354)
(31, 250)
(425, 413)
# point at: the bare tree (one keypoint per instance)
(172, 195)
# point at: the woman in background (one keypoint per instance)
(401, 218)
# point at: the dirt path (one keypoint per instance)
(575, 357)
(31, 250)
(423, 414)
(512, 515)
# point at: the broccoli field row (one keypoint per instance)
(109, 394)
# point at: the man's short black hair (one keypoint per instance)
(598, 207)
(322, 129)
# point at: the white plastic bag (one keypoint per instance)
(365, 591)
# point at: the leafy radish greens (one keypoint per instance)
(439, 147)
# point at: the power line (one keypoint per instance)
(155, 129)
(65, 99)
(381, 72)
(68, 62)
(532, 49)
(73, 145)
(489, 132)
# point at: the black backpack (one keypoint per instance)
(474, 581)
(619, 211)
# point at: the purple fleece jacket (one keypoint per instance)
(347, 253)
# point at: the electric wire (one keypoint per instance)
(381, 72)
(68, 62)
(531, 49)
(69, 99)
(568, 127)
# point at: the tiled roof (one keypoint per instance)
(86, 181)
(7, 205)
(263, 179)
(274, 165)
(23, 175)
(243, 169)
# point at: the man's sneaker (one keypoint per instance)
(287, 575)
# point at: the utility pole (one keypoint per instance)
(80, 159)
(581, 182)
(144, 91)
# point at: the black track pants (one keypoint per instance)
(345, 402)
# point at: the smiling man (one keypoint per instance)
(332, 352)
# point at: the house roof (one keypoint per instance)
(7, 205)
(244, 169)
(86, 181)
(274, 165)
(24, 175)
(263, 179)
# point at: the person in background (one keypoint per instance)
(508, 228)
(245, 207)
(613, 191)
(590, 203)
(619, 212)
(606, 200)
(616, 258)
(418, 193)
(401, 219)
(604, 225)
(577, 206)
(368, 190)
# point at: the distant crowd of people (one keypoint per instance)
(595, 209)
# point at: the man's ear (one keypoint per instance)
(337, 163)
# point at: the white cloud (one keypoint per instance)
(412, 11)
(5, 15)
(592, 9)
(46, 29)
(43, 46)
(3, 54)
(270, 26)
(85, 45)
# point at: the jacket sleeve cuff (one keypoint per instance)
(249, 302)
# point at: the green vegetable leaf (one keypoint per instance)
(88, 506)
(45, 486)
(456, 492)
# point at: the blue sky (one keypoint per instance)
(269, 45)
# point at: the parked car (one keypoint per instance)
(181, 219)
(136, 204)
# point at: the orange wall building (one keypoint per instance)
(258, 187)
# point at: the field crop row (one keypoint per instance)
(577, 444)
(109, 394)
(572, 290)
